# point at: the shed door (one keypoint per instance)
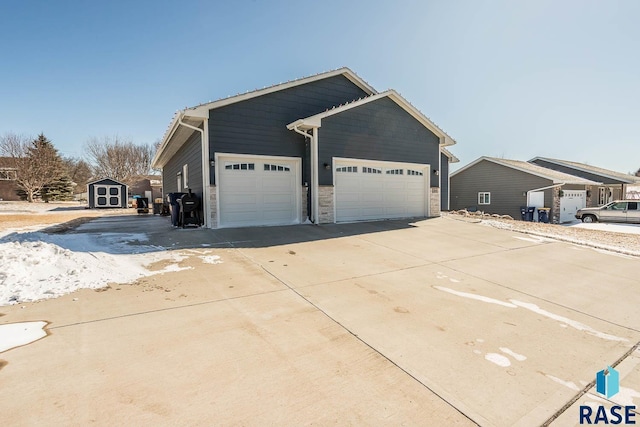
(368, 190)
(107, 196)
(570, 202)
(258, 190)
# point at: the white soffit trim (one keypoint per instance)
(452, 158)
(314, 121)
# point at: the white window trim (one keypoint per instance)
(482, 195)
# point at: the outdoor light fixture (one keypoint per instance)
(436, 171)
(327, 166)
(212, 163)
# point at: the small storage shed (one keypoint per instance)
(107, 193)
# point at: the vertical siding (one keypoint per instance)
(191, 154)
(444, 182)
(507, 187)
(258, 125)
(378, 130)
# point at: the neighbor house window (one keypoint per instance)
(484, 198)
(185, 176)
(8, 175)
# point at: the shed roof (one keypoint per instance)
(533, 169)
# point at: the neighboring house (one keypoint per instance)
(328, 147)
(8, 174)
(106, 193)
(446, 158)
(502, 186)
(614, 184)
(149, 186)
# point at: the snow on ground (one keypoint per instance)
(15, 335)
(35, 265)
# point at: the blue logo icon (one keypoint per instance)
(608, 382)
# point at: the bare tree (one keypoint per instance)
(79, 171)
(119, 159)
(37, 162)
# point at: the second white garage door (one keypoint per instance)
(367, 190)
(258, 190)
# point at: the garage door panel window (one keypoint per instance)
(347, 169)
(102, 191)
(395, 172)
(114, 191)
(484, 198)
(276, 168)
(239, 166)
(102, 201)
(371, 170)
(414, 173)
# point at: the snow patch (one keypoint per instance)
(36, 266)
(475, 297)
(211, 259)
(513, 354)
(15, 335)
(498, 359)
(567, 384)
(574, 324)
(625, 396)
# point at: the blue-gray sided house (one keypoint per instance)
(328, 148)
(107, 193)
(614, 184)
(502, 186)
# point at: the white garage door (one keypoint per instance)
(258, 191)
(367, 190)
(570, 202)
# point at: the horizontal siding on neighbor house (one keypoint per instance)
(378, 130)
(575, 172)
(189, 153)
(444, 182)
(507, 187)
(259, 125)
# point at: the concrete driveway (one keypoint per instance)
(431, 323)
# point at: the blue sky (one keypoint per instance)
(514, 79)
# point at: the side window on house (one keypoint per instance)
(185, 176)
(179, 181)
(347, 169)
(8, 175)
(484, 198)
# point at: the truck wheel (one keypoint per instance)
(589, 219)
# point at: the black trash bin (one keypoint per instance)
(526, 212)
(157, 208)
(543, 215)
(174, 207)
(142, 204)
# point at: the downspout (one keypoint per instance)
(314, 170)
(204, 138)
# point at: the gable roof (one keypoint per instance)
(95, 181)
(605, 173)
(452, 158)
(532, 169)
(315, 120)
(194, 116)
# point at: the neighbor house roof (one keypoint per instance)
(605, 173)
(194, 116)
(533, 169)
(314, 121)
